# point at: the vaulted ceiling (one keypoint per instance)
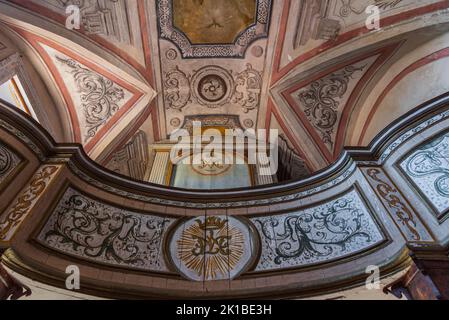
(305, 67)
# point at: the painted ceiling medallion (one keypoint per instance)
(213, 28)
(212, 248)
(212, 86)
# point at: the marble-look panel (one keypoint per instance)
(427, 167)
(322, 233)
(89, 229)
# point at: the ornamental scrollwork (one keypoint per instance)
(430, 160)
(177, 89)
(394, 200)
(248, 86)
(6, 160)
(321, 101)
(93, 230)
(213, 86)
(99, 96)
(319, 233)
(25, 202)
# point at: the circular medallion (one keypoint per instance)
(171, 54)
(248, 123)
(212, 248)
(212, 86)
(175, 122)
(257, 51)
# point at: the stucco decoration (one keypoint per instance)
(256, 30)
(8, 162)
(212, 248)
(89, 229)
(323, 233)
(428, 169)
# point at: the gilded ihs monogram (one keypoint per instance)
(211, 248)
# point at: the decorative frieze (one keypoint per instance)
(313, 22)
(106, 18)
(323, 233)
(90, 229)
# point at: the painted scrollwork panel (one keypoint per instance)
(177, 89)
(401, 211)
(322, 100)
(8, 162)
(428, 169)
(323, 233)
(89, 229)
(22, 206)
(99, 97)
(213, 87)
(248, 86)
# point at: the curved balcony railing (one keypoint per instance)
(135, 239)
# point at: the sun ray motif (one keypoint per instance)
(211, 248)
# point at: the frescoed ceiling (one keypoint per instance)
(213, 22)
(136, 70)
